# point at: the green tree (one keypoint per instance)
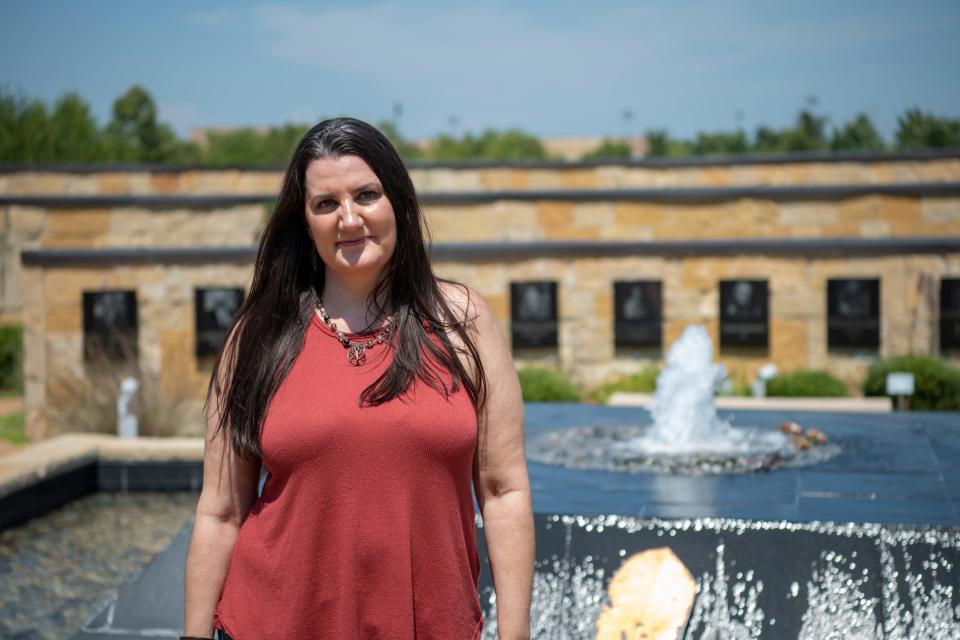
(24, 130)
(134, 135)
(248, 146)
(807, 134)
(9, 139)
(74, 134)
(858, 134)
(767, 139)
(609, 149)
(237, 147)
(721, 142)
(35, 131)
(279, 143)
(448, 148)
(919, 130)
(658, 143)
(512, 144)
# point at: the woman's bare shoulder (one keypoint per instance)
(466, 304)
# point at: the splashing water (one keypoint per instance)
(685, 419)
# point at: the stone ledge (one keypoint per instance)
(853, 405)
(70, 451)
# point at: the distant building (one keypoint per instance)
(201, 135)
(573, 148)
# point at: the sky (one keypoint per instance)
(550, 68)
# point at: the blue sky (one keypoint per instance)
(551, 68)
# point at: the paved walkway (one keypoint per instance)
(11, 405)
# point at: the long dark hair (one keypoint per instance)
(268, 330)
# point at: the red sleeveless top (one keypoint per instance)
(365, 526)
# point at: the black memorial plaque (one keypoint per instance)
(215, 309)
(853, 313)
(637, 314)
(950, 314)
(744, 314)
(533, 314)
(109, 324)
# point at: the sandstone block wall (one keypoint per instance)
(53, 329)
(745, 172)
(47, 298)
(797, 307)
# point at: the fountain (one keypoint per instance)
(686, 436)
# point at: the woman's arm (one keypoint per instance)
(500, 475)
(229, 489)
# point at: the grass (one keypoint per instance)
(11, 428)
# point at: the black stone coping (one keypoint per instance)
(104, 475)
(804, 193)
(653, 162)
(152, 201)
(791, 247)
(137, 255)
(692, 195)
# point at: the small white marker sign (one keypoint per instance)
(900, 383)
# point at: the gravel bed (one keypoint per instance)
(59, 569)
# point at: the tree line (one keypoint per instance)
(67, 132)
(916, 129)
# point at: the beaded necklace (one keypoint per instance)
(356, 351)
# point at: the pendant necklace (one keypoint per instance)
(356, 351)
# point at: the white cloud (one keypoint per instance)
(473, 51)
(467, 49)
(517, 63)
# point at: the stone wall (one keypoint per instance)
(53, 328)
(132, 225)
(46, 294)
(33, 227)
(457, 178)
(797, 307)
(868, 216)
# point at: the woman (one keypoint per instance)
(376, 395)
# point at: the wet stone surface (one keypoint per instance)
(601, 447)
(58, 570)
(755, 579)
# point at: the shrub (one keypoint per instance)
(936, 383)
(546, 385)
(806, 382)
(643, 381)
(87, 401)
(11, 358)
